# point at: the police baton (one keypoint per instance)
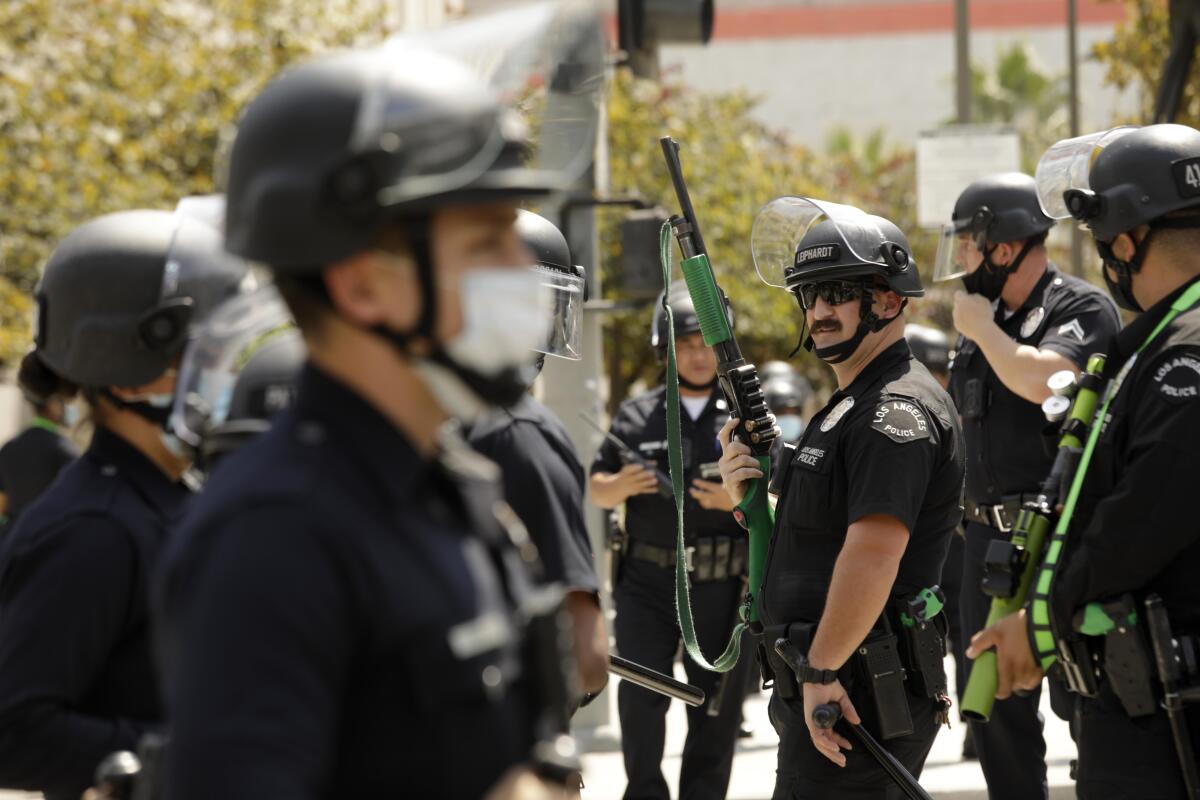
(655, 681)
(826, 716)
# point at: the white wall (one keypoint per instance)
(903, 83)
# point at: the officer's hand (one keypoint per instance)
(635, 479)
(972, 312)
(828, 741)
(521, 783)
(1015, 664)
(736, 464)
(711, 495)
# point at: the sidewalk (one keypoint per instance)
(946, 776)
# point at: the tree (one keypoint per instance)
(734, 166)
(110, 106)
(1134, 57)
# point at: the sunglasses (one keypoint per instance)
(834, 293)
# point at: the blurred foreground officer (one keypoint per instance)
(543, 478)
(1133, 534)
(31, 460)
(646, 625)
(115, 304)
(1021, 321)
(788, 393)
(866, 507)
(346, 608)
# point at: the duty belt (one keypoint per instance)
(1001, 516)
(708, 559)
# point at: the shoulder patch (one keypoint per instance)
(901, 420)
(1177, 378)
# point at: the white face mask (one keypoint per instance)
(505, 316)
(790, 427)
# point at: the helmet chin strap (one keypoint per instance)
(869, 322)
(698, 387)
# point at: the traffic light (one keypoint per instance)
(642, 25)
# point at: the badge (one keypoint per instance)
(836, 415)
(901, 421)
(1072, 327)
(1177, 379)
(1031, 323)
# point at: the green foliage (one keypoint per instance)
(1134, 57)
(1020, 93)
(734, 166)
(107, 106)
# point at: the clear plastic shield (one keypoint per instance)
(954, 249)
(199, 272)
(1067, 164)
(213, 359)
(563, 339)
(782, 224)
(207, 208)
(545, 65)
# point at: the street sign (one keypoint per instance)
(950, 158)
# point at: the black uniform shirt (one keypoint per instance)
(544, 484)
(337, 620)
(77, 679)
(641, 422)
(887, 444)
(1136, 517)
(1003, 431)
(30, 461)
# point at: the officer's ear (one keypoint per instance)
(374, 287)
(1125, 244)
(887, 303)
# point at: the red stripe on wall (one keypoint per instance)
(870, 19)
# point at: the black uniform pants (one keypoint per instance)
(951, 583)
(647, 632)
(803, 773)
(1121, 758)
(1011, 749)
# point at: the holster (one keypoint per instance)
(1128, 662)
(923, 650)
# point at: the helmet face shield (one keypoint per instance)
(563, 338)
(215, 356)
(954, 248)
(1065, 167)
(542, 63)
(782, 225)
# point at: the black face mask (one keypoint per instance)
(1122, 288)
(987, 281)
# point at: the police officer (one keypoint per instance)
(1133, 531)
(345, 609)
(932, 348)
(76, 674)
(543, 478)
(866, 505)
(1020, 321)
(31, 460)
(788, 394)
(646, 627)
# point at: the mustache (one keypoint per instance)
(826, 325)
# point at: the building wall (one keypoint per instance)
(886, 64)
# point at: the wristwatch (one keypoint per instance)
(807, 674)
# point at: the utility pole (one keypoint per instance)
(1073, 101)
(962, 62)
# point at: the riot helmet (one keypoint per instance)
(997, 209)
(119, 295)
(239, 370)
(336, 151)
(929, 346)
(565, 282)
(812, 247)
(1117, 180)
(683, 312)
